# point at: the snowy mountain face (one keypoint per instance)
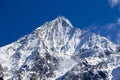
(59, 51)
(111, 31)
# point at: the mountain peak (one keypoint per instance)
(60, 21)
(58, 51)
(63, 20)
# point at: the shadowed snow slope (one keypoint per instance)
(59, 51)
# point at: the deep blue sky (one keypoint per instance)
(20, 17)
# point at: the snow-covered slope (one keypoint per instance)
(59, 51)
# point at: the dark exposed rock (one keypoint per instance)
(83, 72)
(1, 78)
(107, 53)
(42, 68)
(102, 74)
(1, 72)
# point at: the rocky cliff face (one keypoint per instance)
(59, 51)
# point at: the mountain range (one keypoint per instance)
(59, 51)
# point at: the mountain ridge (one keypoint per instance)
(56, 49)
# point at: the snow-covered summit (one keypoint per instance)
(59, 20)
(56, 49)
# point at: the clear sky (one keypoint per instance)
(20, 17)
